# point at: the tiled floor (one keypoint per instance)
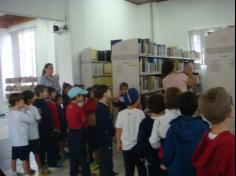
(5, 155)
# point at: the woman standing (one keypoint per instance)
(48, 79)
(173, 79)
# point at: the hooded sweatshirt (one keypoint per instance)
(182, 139)
(215, 157)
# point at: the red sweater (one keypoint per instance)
(90, 106)
(215, 157)
(54, 115)
(76, 118)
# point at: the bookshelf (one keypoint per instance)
(96, 67)
(20, 84)
(139, 63)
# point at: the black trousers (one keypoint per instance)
(106, 161)
(92, 143)
(153, 163)
(53, 150)
(77, 140)
(44, 148)
(132, 159)
(163, 172)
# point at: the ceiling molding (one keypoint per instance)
(7, 21)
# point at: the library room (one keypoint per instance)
(117, 88)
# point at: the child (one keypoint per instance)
(77, 137)
(119, 100)
(18, 123)
(63, 122)
(66, 100)
(127, 126)
(104, 130)
(45, 125)
(215, 154)
(34, 142)
(183, 137)
(54, 139)
(156, 106)
(162, 124)
(90, 110)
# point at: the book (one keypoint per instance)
(107, 69)
(150, 65)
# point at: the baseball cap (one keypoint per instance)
(131, 96)
(76, 91)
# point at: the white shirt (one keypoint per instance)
(18, 124)
(129, 120)
(212, 136)
(161, 126)
(33, 127)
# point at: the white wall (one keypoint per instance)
(49, 9)
(174, 18)
(63, 57)
(94, 23)
(45, 44)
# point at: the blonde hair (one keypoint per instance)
(215, 105)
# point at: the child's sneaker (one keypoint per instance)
(56, 166)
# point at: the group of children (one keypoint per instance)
(37, 125)
(183, 135)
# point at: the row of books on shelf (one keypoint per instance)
(147, 47)
(101, 69)
(17, 88)
(148, 65)
(150, 83)
(98, 55)
(19, 80)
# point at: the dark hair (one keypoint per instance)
(14, 97)
(39, 89)
(65, 86)
(51, 90)
(100, 91)
(156, 104)
(171, 97)
(188, 103)
(28, 95)
(215, 105)
(168, 67)
(58, 96)
(123, 85)
(90, 89)
(46, 67)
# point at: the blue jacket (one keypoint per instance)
(182, 139)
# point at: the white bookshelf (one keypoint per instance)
(20, 84)
(94, 71)
(126, 65)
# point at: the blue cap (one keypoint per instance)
(131, 96)
(76, 91)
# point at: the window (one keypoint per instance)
(27, 52)
(197, 41)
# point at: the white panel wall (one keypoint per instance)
(94, 23)
(174, 18)
(49, 9)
